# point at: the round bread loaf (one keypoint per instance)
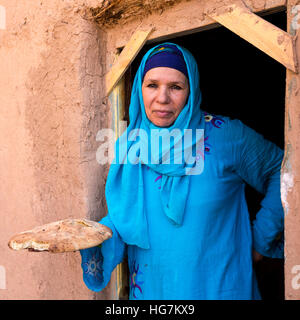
(62, 236)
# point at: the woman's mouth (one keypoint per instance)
(162, 113)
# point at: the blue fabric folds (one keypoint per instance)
(125, 189)
(187, 233)
(209, 256)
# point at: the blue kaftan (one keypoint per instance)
(210, 255)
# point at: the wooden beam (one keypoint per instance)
(127, 55)
(117, 101)
(182, 19)
(275, 42)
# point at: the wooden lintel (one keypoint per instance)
(183, 19)
(275, 42)
(127, 55)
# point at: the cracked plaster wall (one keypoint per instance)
(290, 174)
(52, 66)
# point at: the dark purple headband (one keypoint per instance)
(166, 56)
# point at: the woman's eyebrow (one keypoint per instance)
(151, 80)
(171, 82)
(178, 82)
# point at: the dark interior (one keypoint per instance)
(240, 81)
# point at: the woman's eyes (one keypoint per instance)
(154, 85)
(176, 87)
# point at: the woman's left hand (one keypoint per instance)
(256, 257)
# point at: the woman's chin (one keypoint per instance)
(163, 123)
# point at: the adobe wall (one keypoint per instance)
(51, 109)
(53, 59)
(290, 175)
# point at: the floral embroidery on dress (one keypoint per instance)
(157, 178)
(207, 146)
(94, 266)
(135, 282)
(212, 121)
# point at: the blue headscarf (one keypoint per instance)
(125, 189)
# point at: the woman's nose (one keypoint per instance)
(163, 96)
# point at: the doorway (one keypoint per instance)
(239, 81)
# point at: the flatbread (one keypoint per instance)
(62, 236)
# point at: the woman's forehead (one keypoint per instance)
(165, 74)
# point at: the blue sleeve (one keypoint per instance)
(258, 163)
(97, 263)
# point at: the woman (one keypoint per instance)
(187, 235)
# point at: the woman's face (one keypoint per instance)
(165, 92)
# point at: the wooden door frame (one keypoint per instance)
(281, 46)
